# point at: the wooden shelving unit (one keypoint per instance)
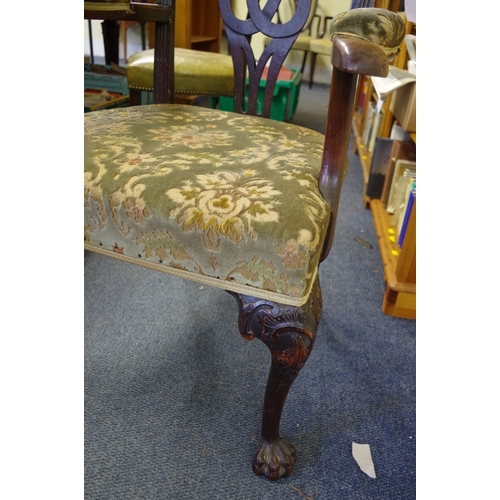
(400, 296)
(198, 25)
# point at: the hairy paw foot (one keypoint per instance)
(274, 459)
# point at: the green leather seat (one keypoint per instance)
(196, 72)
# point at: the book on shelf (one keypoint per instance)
(363, 96)
(378, 168)
(403, 170)
(401, 150)
(407, 213)
(374, 132)
(370, 115)
(404, 187)
(372, 125)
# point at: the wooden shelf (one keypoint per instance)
(399, 263)
(202, 39)
(400, 297)
(198, 25)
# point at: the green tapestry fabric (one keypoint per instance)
(222, 198)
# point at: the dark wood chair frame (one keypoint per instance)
(162, 14)
(288, 331)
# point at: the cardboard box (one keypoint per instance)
(404, 106)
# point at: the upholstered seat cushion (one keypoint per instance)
(195, 72)
(221, 198)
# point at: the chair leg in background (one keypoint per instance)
(135, 97)
(289, 332)
(313, 64)
(304, 59)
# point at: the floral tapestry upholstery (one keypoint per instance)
(218, 197)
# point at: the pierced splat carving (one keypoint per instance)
(238, 33)
(289, 333)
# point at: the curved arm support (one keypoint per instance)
(350, 57)
(364, 41)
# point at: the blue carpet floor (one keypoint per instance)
(173, 393)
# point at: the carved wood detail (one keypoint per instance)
(289, 333)
(239, 34)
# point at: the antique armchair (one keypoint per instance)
(234, 200)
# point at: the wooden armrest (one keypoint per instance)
(355, 55)
(364, 41)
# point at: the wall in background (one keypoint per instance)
(323, 66)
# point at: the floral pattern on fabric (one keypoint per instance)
(230, 199)
(223, 204)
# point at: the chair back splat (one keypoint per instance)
(234, 200)
(239, 34)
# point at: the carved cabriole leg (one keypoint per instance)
(289, 333)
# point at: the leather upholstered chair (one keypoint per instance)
(234, 200)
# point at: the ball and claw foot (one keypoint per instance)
(274, 459)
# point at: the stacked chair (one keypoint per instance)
(231, 199)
